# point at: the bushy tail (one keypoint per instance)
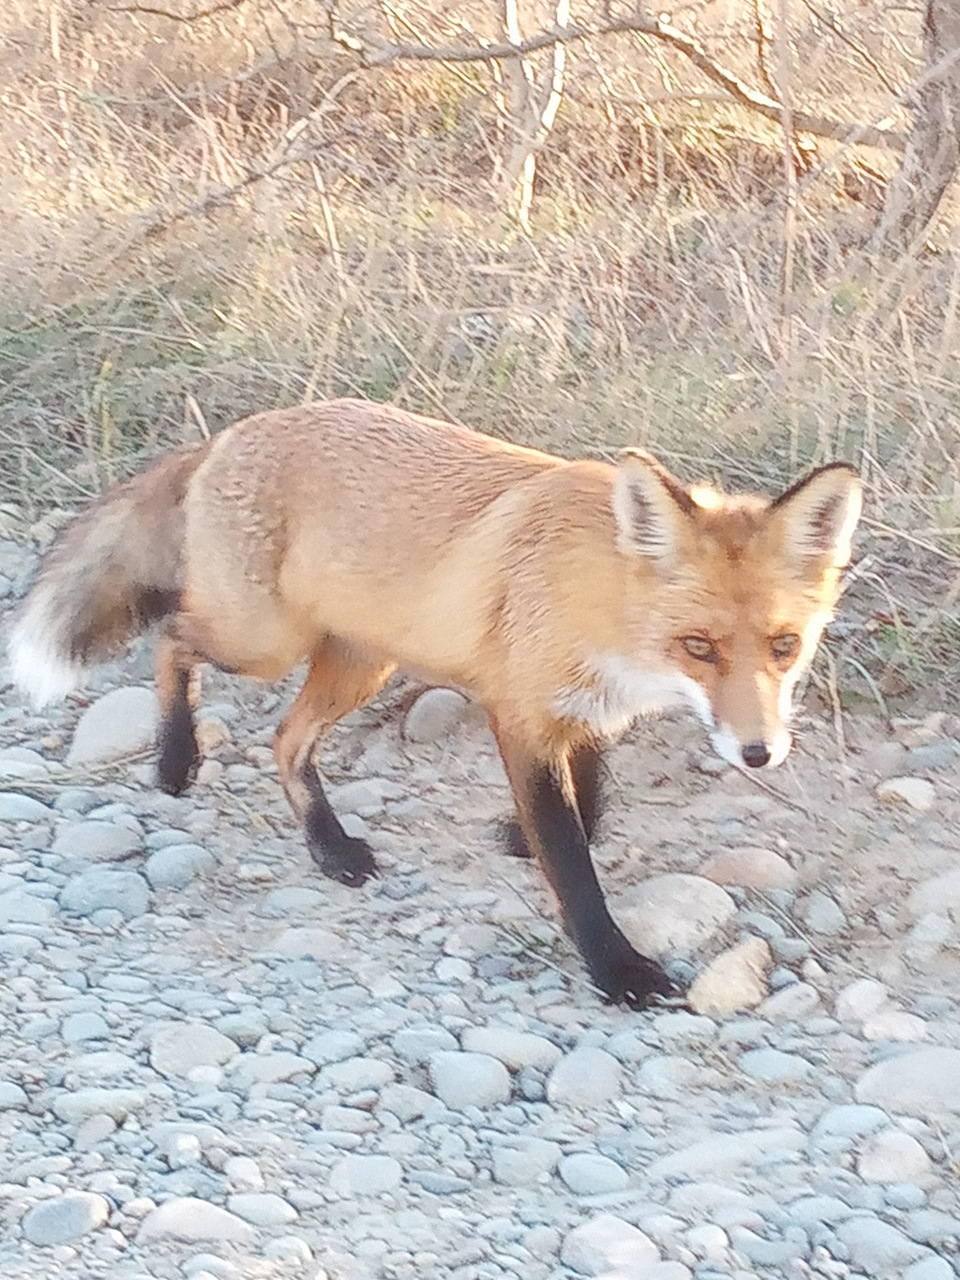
(112, 572)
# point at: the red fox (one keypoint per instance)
(568, 597)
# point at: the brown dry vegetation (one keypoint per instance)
(215, 208)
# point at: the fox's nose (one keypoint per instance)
(755, 754)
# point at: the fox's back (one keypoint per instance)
(363, 519)
(353, 472)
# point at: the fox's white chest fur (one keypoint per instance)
(615, 691)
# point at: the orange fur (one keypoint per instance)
(567, 597)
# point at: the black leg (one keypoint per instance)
(339, 680)
(514, 841)
(544, 792)
(586, 768)
(339, 856)
(179, 755)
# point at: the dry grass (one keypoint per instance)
(232, 210)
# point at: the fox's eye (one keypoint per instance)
(784, 648)
(702, 650)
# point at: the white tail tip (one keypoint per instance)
(37, 667)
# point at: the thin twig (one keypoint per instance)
(789, 218)
(33, 782)
(832, 24)
(192, 413)
(835, 703)
(828, 957)
(656, 28)
(762, 39)
(870, 683)
(890, 531)
(157, 12)
(752, 777)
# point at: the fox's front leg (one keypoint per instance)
(586, 764)
(544, 792)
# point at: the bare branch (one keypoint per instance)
(763, 39)
(295, 148)
(197, 16)
(932, 157)
(832, 24)
(517, 73)
(655, 28)
(546, 117)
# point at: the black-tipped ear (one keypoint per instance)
(650, 506)
(819, 514)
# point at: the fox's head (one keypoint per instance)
(744, 589)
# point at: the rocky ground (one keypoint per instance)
(213, 1063)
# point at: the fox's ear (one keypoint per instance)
(819, 514)
(649, 504)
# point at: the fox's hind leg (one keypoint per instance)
(177, 675)
(340, 680)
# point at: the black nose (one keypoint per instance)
(755, 754)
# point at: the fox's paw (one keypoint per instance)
(350, 861)
(634, 980)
